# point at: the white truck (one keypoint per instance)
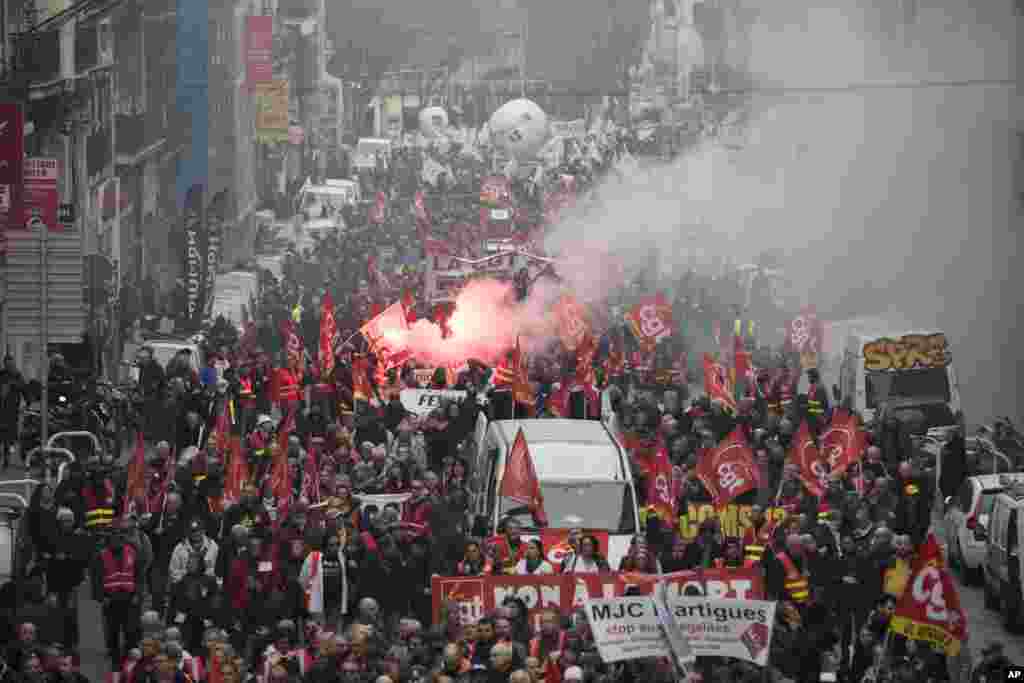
(584, 474)
(901, 372)
(318, 209)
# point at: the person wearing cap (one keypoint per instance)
(817, 408)
(118, 582)
(195, 543)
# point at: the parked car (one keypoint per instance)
(1004, 563)
(966, 521)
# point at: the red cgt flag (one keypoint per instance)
(520, 482)
(136, 488)
(280, 477)
(930, 608)
(385, 334)
(804, 453)
(729, 469)
(573, 322)
(716, 384)
(293, 345)
(843, 442)
(328, 331)
(650, 321)
(658, 478)
(237, 471)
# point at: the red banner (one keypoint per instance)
(259, 49)
(41, 197)
(717, 385)
(12, 168)
(477, 595)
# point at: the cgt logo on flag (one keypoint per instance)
(468, 595)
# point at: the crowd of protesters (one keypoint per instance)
(205, 576)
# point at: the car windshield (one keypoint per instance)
(931, 385)
(602, 506)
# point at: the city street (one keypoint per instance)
(984, 626)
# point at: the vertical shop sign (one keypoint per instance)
(41, 197)
(195, 239)
(259, 49)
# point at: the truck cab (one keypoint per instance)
(583, 470)
(899, 373)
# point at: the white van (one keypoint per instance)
(1004, 563)
(583, 470)
(367, 149)
(318, 209)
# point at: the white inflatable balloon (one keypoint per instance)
(520, 128)
(433, 122)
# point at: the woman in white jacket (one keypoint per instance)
(324, 577)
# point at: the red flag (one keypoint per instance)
(293, 345)
(650, 321)
(311, 476)
(361, 388)
(658, 479)
(803, 452)
(222, 429)
(728, 470)
(585, 362)
(378, 211)
(805, 333)
(328, 331)
(930, 608)
(136, 488)
(237, 471)
(280, 477)
(843, 442)
(385, 334)
(423, 220)
(573, 322)
(716, 384)
(519, 481)
(615, 364)
(409, 304)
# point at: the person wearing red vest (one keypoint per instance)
(118, 583)
(794, 579)
(289, 390)
(246, 399)
(759, 536)
(100, 502)
(506, 549)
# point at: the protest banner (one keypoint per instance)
(734, 518)
(741, 629)
(628, 628)
(425, 401)
(474, 596)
